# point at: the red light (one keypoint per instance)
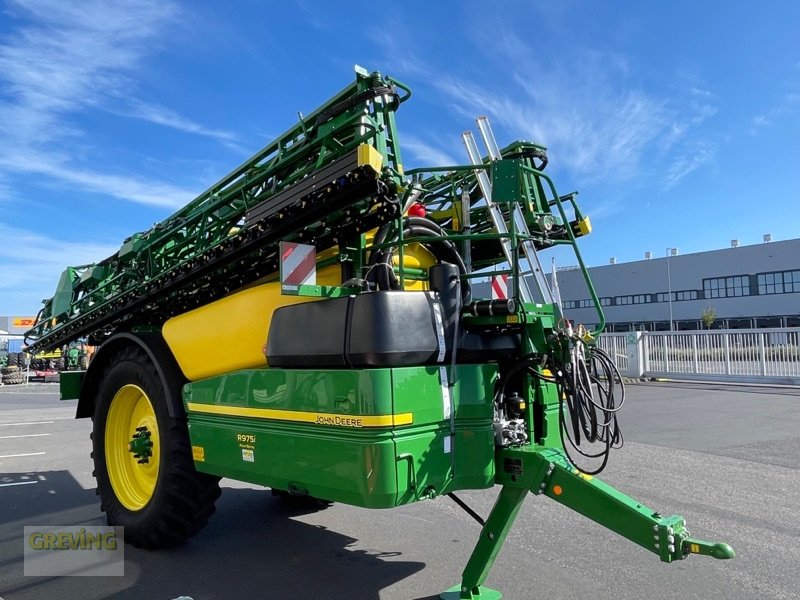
(416, 210)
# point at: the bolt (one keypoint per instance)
(491, 536)
(655, 527)
(657, 546)
(671, 548)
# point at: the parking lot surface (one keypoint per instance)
(727, 458)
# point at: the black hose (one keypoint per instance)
(580, 412)
(381, 270)
(376, 91)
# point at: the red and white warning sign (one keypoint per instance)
(500, 287)
(298, 265)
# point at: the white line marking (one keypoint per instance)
(17, 455)
(17, 483)
(27, 423)
(9, 437)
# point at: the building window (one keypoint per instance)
(784, 282)
(640, 299)
(727, 287)
(605, 301)
(622, 300)
(677, 296)
(570, 304)
(587, 303)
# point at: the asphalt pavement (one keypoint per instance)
(727, 458)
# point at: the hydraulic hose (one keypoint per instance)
(381, 269)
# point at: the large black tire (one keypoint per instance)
(9, 370)
(14, 359)
(13, 378)
(183, 499)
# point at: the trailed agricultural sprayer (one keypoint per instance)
(311, 323)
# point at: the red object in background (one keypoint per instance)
(416, 210)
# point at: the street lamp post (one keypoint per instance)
(669, 289)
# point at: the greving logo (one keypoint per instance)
(86, 551)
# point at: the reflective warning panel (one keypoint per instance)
(298, 265)
(500, 287)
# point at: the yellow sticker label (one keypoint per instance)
(512, 319)
(198, 453)
(340, 420)
(695, 549)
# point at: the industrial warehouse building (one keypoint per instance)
(744, 286)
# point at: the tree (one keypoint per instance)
(708, 316)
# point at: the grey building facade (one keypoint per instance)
(745, 286)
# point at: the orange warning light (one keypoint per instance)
(557, 490)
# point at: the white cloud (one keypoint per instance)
(31, 263)
(166, 117)
(703, 93)
(117, 186)
(598, 133)
(68, 59)
(589, 107)
(788, 105)
(693, 156)
(73, 56)
(427, 154)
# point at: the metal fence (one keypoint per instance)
(615, 344)
(755, 355)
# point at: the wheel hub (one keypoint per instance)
(132, 447)
(141, 446)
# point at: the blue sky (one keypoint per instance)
(678, 122)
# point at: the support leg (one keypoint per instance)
(491, 539)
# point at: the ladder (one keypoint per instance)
(541, 294)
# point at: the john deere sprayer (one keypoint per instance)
(322, 322)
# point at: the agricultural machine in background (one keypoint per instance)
(367, 369)
(18, 367)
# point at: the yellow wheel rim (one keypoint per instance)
(131, 427)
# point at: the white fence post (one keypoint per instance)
(634, 350)
(726, 342)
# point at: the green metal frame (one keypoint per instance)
(149, 263)
(376, 438)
